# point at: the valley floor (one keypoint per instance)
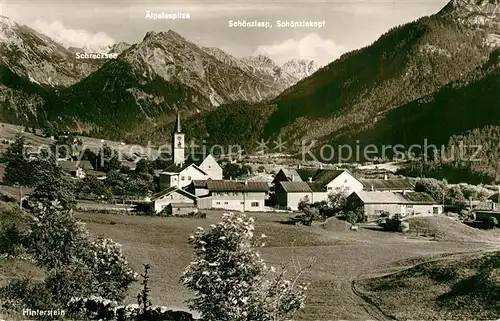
(339, 257)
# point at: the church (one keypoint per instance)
(184, 169)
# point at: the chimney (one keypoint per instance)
(293, 178)
(299, 166)
(246, 182)
(310, 179)
(320, 166)
(385, 177)
(371, 188)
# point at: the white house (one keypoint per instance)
(173, 195)
(333, 180)
(375, 203)
(315, 184)
(231, 195)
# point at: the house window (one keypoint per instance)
(175, 178)
(182, 178)
(242, 203)
(218, 203)
(330, 188)
(189, 178)
(435, 210)
(172, 196)
(345, 181)
(255, 204)
(409, 206)
(225, 203)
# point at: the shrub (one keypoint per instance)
(492, 222)
(230, 279)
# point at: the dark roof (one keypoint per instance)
(322, 176)
(295, 187)
(487, 206)
(199, 183)
(386, 197)
(236, 186)
(73, 165)
(418, 198)
(177, 169)
(387, 184)
(170, 190)
(290, 174)
(316, 187)
(369, 197)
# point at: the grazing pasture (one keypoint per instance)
(338, 256)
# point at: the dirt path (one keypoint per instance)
(332, 291)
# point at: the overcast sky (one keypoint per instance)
(348, 24)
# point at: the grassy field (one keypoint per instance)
(340, 256)
(465, 287)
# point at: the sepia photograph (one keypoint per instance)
(250, 160)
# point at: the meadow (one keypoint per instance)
(337, 256)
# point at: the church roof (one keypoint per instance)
(177, 127)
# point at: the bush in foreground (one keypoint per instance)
(230, 279)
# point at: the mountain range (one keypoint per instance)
(42, 84)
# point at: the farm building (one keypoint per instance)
(290, 194)
(388, 185)
(179, 209)
(485, 210)
(377, 203)
(231, 195)
(173, 195)
(77, 169)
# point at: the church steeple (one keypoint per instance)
(178, 124)
(178, 143)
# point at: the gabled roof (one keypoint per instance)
(369, 197)
(386, 197)
(170, 190)
(487, 206)
(418, 198)
(387, 184)
(316, 187)
(295, 187)
(322, 176)
(290, 174)
(73, 165)
(177, 169)
(236, 186)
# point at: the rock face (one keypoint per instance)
(266, 70)
(120, 47)
(38, 58)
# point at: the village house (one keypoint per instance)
(184, 170)
(290, 194)
(286, 175)
(484, 211)
(332, 180)
(408, 203)
(77, 169)
(388, 185)
(174, 198)
(230, 195)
